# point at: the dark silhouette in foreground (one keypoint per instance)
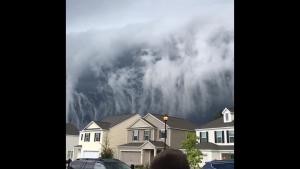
(170, 159)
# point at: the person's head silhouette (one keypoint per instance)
(170, 159)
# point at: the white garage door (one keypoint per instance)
(90, 154)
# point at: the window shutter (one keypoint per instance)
(132, 134)
(215, 136)
(227, 132)
(207, 136)
(138, 136)
(222, 136)
(200, 136)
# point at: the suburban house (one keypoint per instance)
(71, 140)
(145, 137)
(216, 138)
(94, 135)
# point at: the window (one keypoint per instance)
(97, 137)
(135, 135)
(203, 137)
(230, 136)
(81, 136)
(162, 133)
(219, 136)
(147, 135)
(86, 137)
(226, 116)
(70, 154)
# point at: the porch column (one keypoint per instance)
(142, 155)
(154, 152)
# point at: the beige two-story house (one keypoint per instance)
(93, 136)
(145, 137)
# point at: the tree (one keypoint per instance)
(194, 155)
(106, 150)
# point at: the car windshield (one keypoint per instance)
(223, 166)
(115, 165)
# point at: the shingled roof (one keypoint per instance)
(175, 122)
(71, 129)
(155, 143)
(132, 144)
(217, 123)
(231, 109)
(114, 120)
(103, 125)
(212, 146)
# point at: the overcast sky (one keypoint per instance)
(84, 15)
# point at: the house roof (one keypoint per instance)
(114, 120)
(212, 146)
(149, 122)
(158, 143)
(175, 122)
(155, 143)
(217, 123)
(103, 125)
(231, 109)
(71, 129)
(133, 144)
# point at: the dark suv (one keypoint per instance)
(219, 164)
(98, 164)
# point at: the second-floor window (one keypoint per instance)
(162, 133)
(135, 135)
(81, 137)
(147, 135)
(97, 137)
(219, 136)
(86, 137)
(203, 137)
(230, 136)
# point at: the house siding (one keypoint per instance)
(159, 126)
(118, 134)
(71, 141)
(177, 137)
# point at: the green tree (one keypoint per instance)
(106, 150)
(194, 155)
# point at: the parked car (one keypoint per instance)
(219, 164)
(98, 164)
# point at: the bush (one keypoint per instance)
(106, 150)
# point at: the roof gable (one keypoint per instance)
(142, 123)
(97, 125)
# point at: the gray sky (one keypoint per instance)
(83, 15)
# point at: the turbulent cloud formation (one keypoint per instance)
(140, 56)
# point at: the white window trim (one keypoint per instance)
(221, 136)
(134, 136)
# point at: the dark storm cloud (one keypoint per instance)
(148, 56)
